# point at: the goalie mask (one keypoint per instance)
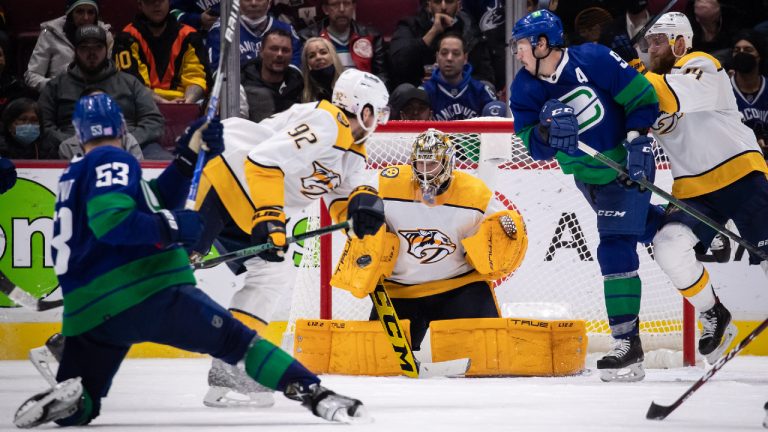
(432, 160)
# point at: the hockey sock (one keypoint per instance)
(274, 368)
(622, 302)
(85, 412)
(700, 293)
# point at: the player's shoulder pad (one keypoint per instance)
(469, 191)
(698, 60)
(344, 139)
(395, 182)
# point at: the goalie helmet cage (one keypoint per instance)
(559, 277)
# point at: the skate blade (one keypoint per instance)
(360, 416)
(224, 397)
(34, 412)
(632, 373)
(728, 336)
(42, 358)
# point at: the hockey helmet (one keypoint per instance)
(355, 89)
(672, 24)
(98, 116)
(539, 23)
(432, 160)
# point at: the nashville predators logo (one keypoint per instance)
(390, 172)
(428, 245)
(666, 123)
(320, 182)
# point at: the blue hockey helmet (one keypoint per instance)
(539, 23)
(98, 116)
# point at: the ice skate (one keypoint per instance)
(43, 357)
(327, 404)
(60, 401)
(717, 334)
(624, 363)
(231, 387)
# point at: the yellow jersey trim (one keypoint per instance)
(720, 176)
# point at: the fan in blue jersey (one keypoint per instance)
(749, 85)
(588, 93)
(200, 14)
(453, 93)
(118, 249)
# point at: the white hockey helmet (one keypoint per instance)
(355, 89)
(673, 24)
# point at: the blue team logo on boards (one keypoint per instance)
(587, 106)
(428, 245)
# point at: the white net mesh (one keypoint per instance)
(559, 278)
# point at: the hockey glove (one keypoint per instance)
(181, 226)
(209, 137)
(640, 160)
(563, 127)
(622, 46)
(7, 175)
(269, 226)
(365, 210)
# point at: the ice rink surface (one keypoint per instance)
(166, 395)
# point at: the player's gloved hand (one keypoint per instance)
(181, 226)
(640, 160)
(559, 119)
(199, 134)
(269, 225)
(7, 175)
(365, 210)
(622, 46)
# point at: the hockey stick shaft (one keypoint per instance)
(660, 412)
(213, 102)
(388, 318)
(23, 298)
(676, 202)
(255, 250)
(651, 22)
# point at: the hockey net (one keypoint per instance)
(559, 277)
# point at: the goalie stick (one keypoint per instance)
(660, 412)
(255, 250)
(676, 202)
(25, 299)
(213, 102)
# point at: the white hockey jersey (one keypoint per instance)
(431, 259)
(700, 127)
(287, 160)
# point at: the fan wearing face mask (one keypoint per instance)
(749, 83)
(22, 134)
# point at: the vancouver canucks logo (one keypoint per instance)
(320, 182)
(667, 123)
(587, 106)
(492, 17)
(428, 245)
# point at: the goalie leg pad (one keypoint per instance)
(365, 261)
(346, 347)
(499, 246)
(510, 346)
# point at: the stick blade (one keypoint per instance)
(449, 368)
(657, 412)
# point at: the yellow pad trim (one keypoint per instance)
(491, 251)
(345, 347)
(364, 261)
(697, 286)
(510, 346)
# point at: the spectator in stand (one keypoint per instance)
(254, 24)
(410, 103)
(358, 46)
(11, 87)
(271, 83)
(168, 57)
(749, 83)
(200, 14)
(589, 24)
(453, 93)
(629, 24)
(489, 15)
(321, 67)
(92, 68)
(713, 27)
(55, 46)
(414, 43)
(22, 135)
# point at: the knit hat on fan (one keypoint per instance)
(72, 4)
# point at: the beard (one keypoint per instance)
(662, 64)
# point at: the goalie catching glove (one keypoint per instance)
(498, 247)
(365, 210)
(365, 261)
(269, 226)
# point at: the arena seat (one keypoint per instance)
(384, 14)
(177, 118)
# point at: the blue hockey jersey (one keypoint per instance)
(755, 112)
(188, 11)
(463, 101)
(250, 42)
(608, 96)
(106, 237)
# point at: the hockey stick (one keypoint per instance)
(676, 202)
(213, 102)
(660, 412)
(23, 298)
(255, 250)
(408, 363)
(651, 22)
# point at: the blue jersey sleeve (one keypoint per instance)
(212, 42)
(526, 100)
(172, 187)
(115, 201)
